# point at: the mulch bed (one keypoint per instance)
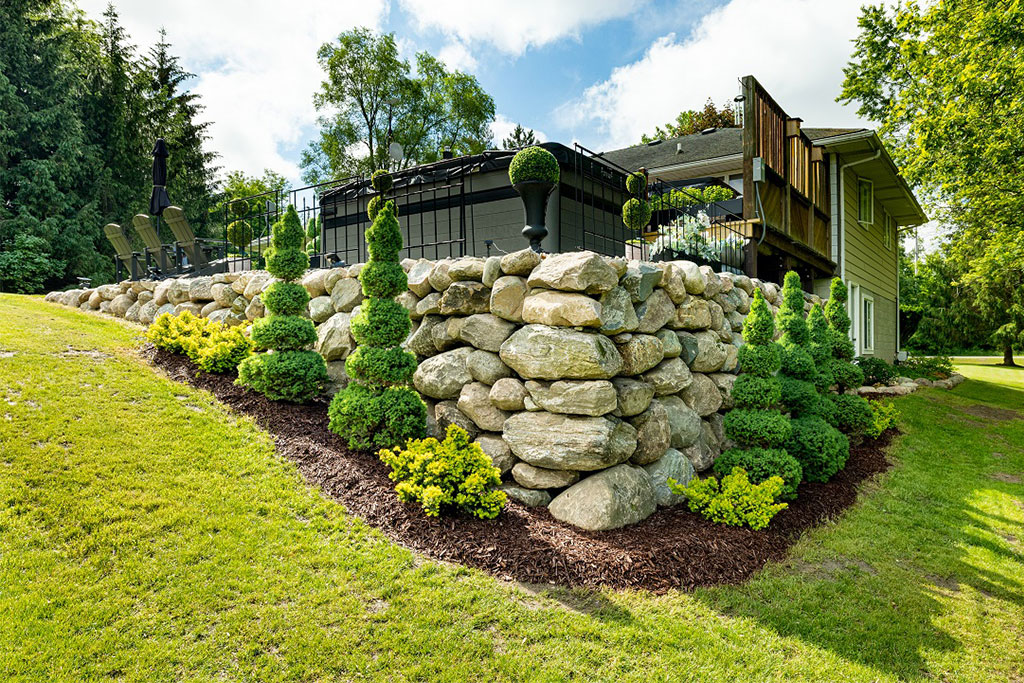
(673, 548)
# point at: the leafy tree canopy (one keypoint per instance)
(693, 121)
(371, 97)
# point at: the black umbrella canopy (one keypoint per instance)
(159, 200)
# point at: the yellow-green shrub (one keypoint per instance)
(176, 333)
(734, 500)
(446, 475)
(883, 416)
(222, 350)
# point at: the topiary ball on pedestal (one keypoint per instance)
(379, 408)
(533, 164)
(288, 370)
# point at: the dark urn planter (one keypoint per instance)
(535, 195)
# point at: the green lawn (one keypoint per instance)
(147, 533)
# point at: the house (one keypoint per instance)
(822, 201)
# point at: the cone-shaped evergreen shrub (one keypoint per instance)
(379, 408)
(799, 394)
(757, 426)
(849, 414)
(289, 370)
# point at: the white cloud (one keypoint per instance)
(513, 26)
(502, 127)
(256, 62)
(795, 48)
(457, 56)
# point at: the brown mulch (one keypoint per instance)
(673, 548)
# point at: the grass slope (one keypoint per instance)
(148, 534)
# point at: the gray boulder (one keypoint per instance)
(568, 309)
(711, 353)
(497, 450)
(465, 298)
(576, 397)
(610, 499)
(574, 271)
(669, 377)
(617, 313)
(543, 352)
(447, 413)
(531, 477)
(508, 393)
(320, 308)
(672, 465)
(640, 353)
(346, 295)
(640, 280)
(484, 330)
(507, 296)
(443, 375)
(487, 367)
(655, 312)
(531, 498)
(475, 403)
(702, 395)
(653, 434)
(520, 262)
(633, 396)
(569, 442)
(685, 424)
(334, 337)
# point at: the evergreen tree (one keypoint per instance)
(379, 408)
(290, 371)
(520, 138)
(850, 414)
(756, 423)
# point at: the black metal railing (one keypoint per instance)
(686, 226)
(594, 191)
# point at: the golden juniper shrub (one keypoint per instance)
(734, 500)
(176, 333)
(883, 416)
(222, 350)
(443, 475)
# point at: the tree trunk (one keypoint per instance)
(1008, 355)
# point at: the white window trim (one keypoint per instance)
(868, 343)
(866, 224)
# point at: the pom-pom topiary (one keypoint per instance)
(636, 184)
(378, 408)
(381, 181)
(636, 213)
(288, 371)
(533, 163)
(239, 233)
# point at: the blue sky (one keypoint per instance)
(601, 72)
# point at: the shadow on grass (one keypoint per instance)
(919, 544)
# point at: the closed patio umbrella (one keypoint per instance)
(159, 200)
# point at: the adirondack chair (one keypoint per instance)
(123, 248)
(161, 254)
(197, 250)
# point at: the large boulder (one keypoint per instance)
(633, 396)
(640, 280)
(531, 498)
(428, 305)
(669, 376)
(543, 352)
(492, 270)
(419, 277)
(508, 393)
(346, 295)
(421, 341)
(693, 314)
(147, 313)
(447, 413)
(711, 353)
(610, 499)
(702, 395)
(223, 294)
(673, 281)
(640, 353)
(672, 465)
(487, 367)
(467, 268)
(617, 313)
(334, 337)
(321, 308)
(576, 397)
(201, 289)
(438, 277)
(443, 375)
(315, 282)
(530, 477)
(520, 262)
(497, 450)
(484, 330)
(574, 271)
(120, 305)
(653, 434)
(568, 309)
(684, 422)
(569, 442)
(465, 298)
(475, 403)
(507, 296)
(655, 312)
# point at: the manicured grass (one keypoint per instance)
(146, 533)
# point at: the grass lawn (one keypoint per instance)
(146, 533)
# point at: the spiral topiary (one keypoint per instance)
(755, 423)
(849, 414)
(379, 408)
(289, 370)
(533, 163)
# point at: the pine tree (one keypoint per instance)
(290, 371)
(755, 423)
(520, 138)
(379, 408)
(850, 414)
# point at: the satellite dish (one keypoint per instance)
(396, 152)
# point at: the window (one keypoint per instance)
(888, 231)
(868, 321)
(866, 210)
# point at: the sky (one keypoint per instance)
(597, 72)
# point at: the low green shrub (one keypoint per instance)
(223, 349)
(733, 501)
(819, 447)
(762, 464)
(876, 370)
(377, 419)
(283, 333)
(883, 416)
(453, 474)
(845, 374)
(533, 163)
(929, 367)
(284, 375)
(286, 298)
(757, 428)
(851, 414)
